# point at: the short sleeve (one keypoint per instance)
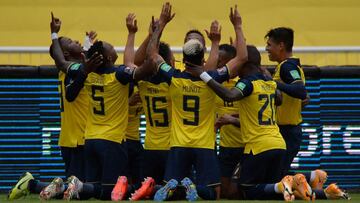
(244, 86)
(166, 71)
(289, 72)
(125, 74)
(220, 75)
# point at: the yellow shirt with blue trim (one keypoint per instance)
(193, 109)
(289, 112)
(257, 115)
(73, 115)
(230, 135)
(154, 93)
(108, 90)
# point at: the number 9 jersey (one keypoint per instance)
(193, 107)
(257, 115)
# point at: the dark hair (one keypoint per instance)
(96, 47)
(282, 34)
(51, 49)
(229, 49)
(254, 57)
(165, 52)
(196, 55)
(194, 31)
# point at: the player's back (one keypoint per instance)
(257, 115)
(154, 93)
(108, 106)
(193, 112)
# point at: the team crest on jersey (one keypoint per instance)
(241, 86)
(75, 66)
(222, 71)
(165, 67)
(295, 74)
(129, 70)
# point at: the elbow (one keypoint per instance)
(229, 98)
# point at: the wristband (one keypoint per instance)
(54, 35)
(205, 77)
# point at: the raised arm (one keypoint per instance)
(226, 94)
(215, 36)
(56, 51)
(152, 52)
(141, 51)
(241, 51)
(129, 53)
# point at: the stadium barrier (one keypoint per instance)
(30, 124)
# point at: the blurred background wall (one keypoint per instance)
(316, 23)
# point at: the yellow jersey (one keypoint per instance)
(257, 115)
(73, 115)
(230, 136)
(193, 110)
(135, 112)
(108, 90)
(154, 93)
(289, 112)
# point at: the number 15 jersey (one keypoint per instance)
(193, 108)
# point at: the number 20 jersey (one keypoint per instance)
(257, 115)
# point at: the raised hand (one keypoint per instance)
(166, 16)
(91, 64)
(154, 22)
(235, 17)
(55, 24)
(92, 36)
(131, 23)
(215, 32)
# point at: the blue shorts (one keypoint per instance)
(265, 167)
(292, 135)
(155, 164)
(105, 161)
(135, 161)
(229, 157)
(74, 160)
(181, 160)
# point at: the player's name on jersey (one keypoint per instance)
(191, 89)
(96, 81)
(153, 90)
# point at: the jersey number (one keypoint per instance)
(95, 88)
(193, 108)
(164, 112)
(268, 99)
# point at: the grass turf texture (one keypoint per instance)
(355, 197)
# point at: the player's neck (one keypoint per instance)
(284, 56)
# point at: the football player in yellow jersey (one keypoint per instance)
(288, 71)
(108, 87)
(231, 144)
(71, 139)
(290, 79)
(157, 108)
(193, 139)
(264, 145)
